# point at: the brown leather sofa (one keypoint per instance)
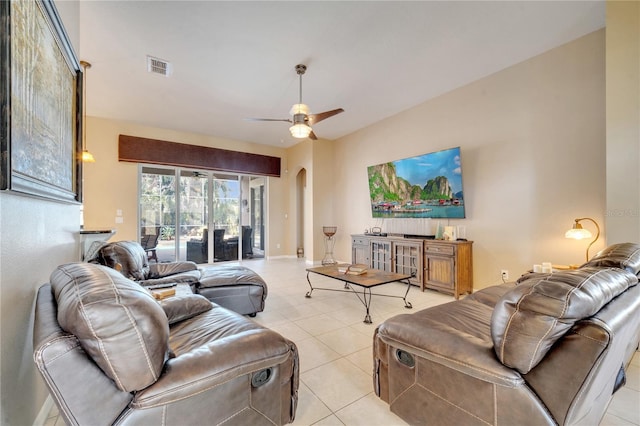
(549, 349)
(234, 287)
(111, 354)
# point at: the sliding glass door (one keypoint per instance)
(194, 216)
(158, 211)
(257, 209)
(201, 216)
(226, 216)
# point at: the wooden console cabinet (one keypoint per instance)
(445, 266)
(448, 267)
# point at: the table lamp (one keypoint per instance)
(577, 232)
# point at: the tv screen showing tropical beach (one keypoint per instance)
(425, 186)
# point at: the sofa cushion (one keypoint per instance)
(160, 270)
(229, 275)
(489, 296)
(532, 316)
(117, 322)
(623, 255)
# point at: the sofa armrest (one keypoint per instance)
(455, 335)
(173, 272)
(217, 362)
(159, 270)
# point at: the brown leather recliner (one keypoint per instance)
(549, 349)
(234, 287)
(111, 354)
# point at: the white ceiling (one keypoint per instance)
(234, 60)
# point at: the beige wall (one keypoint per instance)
(299, 157)
(324, 201)
(111, 185)
(532, 141)
(37, 236)
(623, 121)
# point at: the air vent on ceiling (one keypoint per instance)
(158, 66)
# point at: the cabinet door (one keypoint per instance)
(360, 251)
(440, 273)
(381, 255)
(407, 259)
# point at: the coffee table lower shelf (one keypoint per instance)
(372, 278)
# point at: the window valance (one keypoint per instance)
(135, 149)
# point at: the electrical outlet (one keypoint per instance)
(504, 274)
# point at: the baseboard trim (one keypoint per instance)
(43, 415)
(281, 257)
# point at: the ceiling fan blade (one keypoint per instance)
(313, 136)
(288, 120)
(316, 118)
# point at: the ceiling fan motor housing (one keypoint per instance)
(300, 119)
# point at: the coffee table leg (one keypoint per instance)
(407, 305)
(367, 303)
(308, 295)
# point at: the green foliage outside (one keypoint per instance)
(158, 204)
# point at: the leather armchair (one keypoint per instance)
(234, 287)
(129, 258)
(111, 354)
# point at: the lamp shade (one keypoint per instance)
(299, 109)
(300, 130)
(577, 232)
(87, 157)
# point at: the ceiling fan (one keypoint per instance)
(301, 119)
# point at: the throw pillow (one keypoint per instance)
(181, 307)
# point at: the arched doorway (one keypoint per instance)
(301, 183)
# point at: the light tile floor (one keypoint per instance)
(336, 386)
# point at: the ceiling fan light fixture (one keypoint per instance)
(300, 131)
(299, 109)
(301, 118)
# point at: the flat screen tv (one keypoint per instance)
(425, 186)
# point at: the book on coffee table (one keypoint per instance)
(353, 269)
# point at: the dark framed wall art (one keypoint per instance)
(41, 101)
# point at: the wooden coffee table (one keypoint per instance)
(372, 278)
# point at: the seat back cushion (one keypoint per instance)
(622, 255)
(128, 257)
(537, 312)
(117, 322)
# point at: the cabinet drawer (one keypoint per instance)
(360, 241)
(439, 249)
